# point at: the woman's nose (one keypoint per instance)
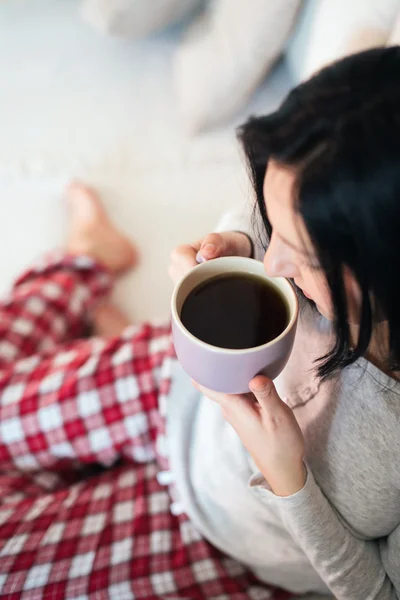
(278, 260)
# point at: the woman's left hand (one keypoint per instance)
(269, 431)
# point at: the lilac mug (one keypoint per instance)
(223, 369)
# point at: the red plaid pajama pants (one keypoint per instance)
(82, 512)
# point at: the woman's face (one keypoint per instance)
(290, 252)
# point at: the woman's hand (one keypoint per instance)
(214, 245)
(269, 431)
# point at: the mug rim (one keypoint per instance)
(237, 351)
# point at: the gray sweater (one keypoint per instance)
(341, 532)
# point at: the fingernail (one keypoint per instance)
(200, 258)
(210, 249)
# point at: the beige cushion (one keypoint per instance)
(225, 55)
(135, 18)
(394, 39)
(330, 29)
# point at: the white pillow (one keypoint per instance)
(135, 18)
(330, 29)
(394, 39)
(225, 55)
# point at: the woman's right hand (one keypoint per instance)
(214, 245)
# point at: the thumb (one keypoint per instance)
(265, 392)
(213, 246)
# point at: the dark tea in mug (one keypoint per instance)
(235, 311)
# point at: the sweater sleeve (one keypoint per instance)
(352, 568)
(241, 219)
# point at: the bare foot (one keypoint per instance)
(93, 234)
(109, 321)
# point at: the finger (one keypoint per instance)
(175, 274)
(265, 392)
(213, 246)
(185, 256)
(228, 402)
(222, 399)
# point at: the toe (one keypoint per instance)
(84, 201)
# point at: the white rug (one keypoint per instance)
(76, 104)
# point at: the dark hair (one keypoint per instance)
(341, 129)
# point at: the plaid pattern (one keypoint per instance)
(70, 527)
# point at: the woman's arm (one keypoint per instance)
(241, 219)
(352, 568)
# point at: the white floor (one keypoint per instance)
(76, 104)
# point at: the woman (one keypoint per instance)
(299, 489)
